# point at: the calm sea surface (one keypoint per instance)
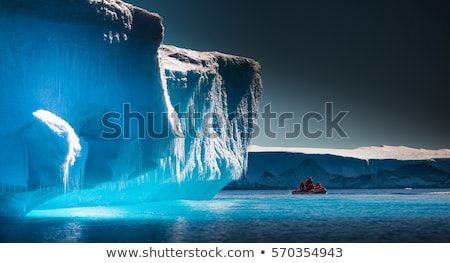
(393, 215)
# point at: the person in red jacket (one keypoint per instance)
(309, 183)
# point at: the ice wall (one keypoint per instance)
(216, 97)
(371, 167)
(96, 67)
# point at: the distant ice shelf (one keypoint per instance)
(365, 153)
(365, 167)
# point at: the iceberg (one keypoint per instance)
(360, 168)
(96, 111)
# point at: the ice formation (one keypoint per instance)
(365, 167)
(95, 111)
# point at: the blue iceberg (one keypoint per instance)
(95, 111)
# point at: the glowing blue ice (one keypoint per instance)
(72, 64)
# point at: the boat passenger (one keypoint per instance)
(302, 186)
(309, 183)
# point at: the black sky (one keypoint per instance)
(386, 62)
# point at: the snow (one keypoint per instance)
(68, 64)
(115, 10)
(365, 153)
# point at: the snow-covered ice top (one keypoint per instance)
(365, 153)
(181, 59)
(120, 18)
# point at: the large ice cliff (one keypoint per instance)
(95, 111)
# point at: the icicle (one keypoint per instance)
(62, 129)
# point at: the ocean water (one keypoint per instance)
(376, 216)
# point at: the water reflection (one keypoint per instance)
(72, 231)
(178, 230)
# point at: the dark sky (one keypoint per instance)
(385, 62)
